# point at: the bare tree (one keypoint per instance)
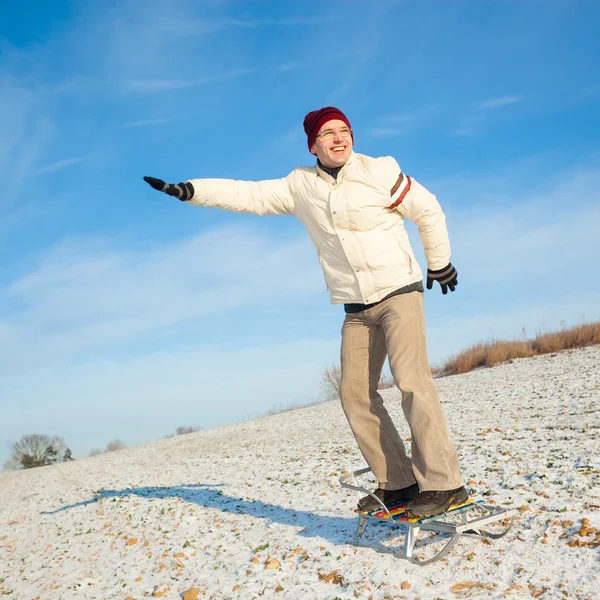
(330, 381)
(95, 452)
(332, 376)
(61, 452)
(386, 381)
(37, 450)
(115, 445)
(30, 451)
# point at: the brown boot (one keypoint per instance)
(431, 503)
(390, 498)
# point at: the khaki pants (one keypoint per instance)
(397, 327)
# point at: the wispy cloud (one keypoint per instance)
(464, 131)
(498, 102)
(290, 66)
(293, 135)
(402, 118)
(175, 41)
(469, 125)
(505, 233)
(161, 85)
(518, 264)
(192, 27)
(159, 389)
(295, 21)
(57, 166)
(392, 125)
(149, 122)
(354, 67)
(494, 241)
(86, 296)
(387, 131)
(27, 133)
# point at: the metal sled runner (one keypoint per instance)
(473, 518)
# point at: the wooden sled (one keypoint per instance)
(472, 518)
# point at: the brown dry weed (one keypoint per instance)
(499, 351)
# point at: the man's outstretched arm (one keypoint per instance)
(268, 197)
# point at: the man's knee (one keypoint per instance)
(353, 391)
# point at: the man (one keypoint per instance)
(353, 207)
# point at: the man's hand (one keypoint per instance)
(183, 191)
(447, 278)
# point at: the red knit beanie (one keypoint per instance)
(314, 120)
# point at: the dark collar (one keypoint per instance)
(333, 171)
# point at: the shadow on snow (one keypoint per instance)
(337, 530)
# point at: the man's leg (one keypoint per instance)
(362, 356)
(434, 458)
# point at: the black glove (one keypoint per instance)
(447, 277)
(183, 191)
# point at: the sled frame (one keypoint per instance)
(456, 522)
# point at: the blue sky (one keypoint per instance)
(124, 313)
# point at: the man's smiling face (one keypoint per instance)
(333, 145)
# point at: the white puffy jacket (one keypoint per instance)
(356, 223)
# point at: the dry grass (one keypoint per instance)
(577, 337)
(499, 351)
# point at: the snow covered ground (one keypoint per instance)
(255, 510)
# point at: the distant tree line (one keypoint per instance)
(112, 446)
(39, 450)
(182, 430)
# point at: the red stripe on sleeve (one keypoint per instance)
(404, 192)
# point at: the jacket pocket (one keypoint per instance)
(407, 253)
